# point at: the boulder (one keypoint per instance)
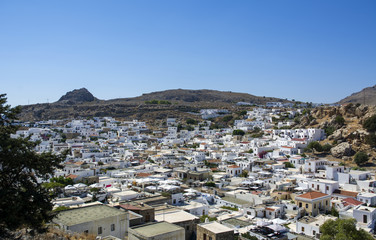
(337, 135)
(341, 150)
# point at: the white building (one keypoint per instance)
(310, 226)
(99, 220)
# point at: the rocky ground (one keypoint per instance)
(348, 135)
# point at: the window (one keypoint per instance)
(314, 233)
(112, 227)
(99, 230)
(306, 205)
(300, 204)
(326, 202)
(204, 237)
(86, 232)
(327, 188)
(187, 227)
(210, 238)
(302, 229)
(314, 205)
(313, 186)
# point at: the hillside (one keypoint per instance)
(365, 96)
(205, 96)
(169, 103)
(344, 128)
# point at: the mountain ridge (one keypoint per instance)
(365, 96)
(81, 103)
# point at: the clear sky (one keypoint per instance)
(311, 50)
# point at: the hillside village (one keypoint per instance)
(190, 180)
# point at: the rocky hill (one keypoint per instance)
(190, 96)
(365, 96)
(157, 105)
(344, 128)
(76, 96)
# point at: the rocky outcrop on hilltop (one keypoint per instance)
(77, 95)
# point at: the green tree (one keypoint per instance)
(370, 124)
(289, 165)
(360, 158)
(238, 132)
(371, 139)
(329, 130)
(227, 118)
(314, 145)
(242, 112)
(24, 202)
(339, 120)
(244, 173)
(342, 229)
(62, 180)
(334, 212)
(209, 184)
(191, 121)
(326, 147)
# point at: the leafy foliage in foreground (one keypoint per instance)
(24, 202)
(344, 229)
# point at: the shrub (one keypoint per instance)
(329, 130)
(191, 121)
(230, 208)
(242, 113)
(203, 217)
(360, 158)
(209, 184)
(371, 139)
(227, 118)
(370, 124)
(339, 120)
(289, 165)
(61, 208)
(326, 147)
(315, 145)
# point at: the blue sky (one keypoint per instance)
(319, 51)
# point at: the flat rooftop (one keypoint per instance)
(155, 229)
(87, 214)
(318, 221)
(175, 216)
(215, 227)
